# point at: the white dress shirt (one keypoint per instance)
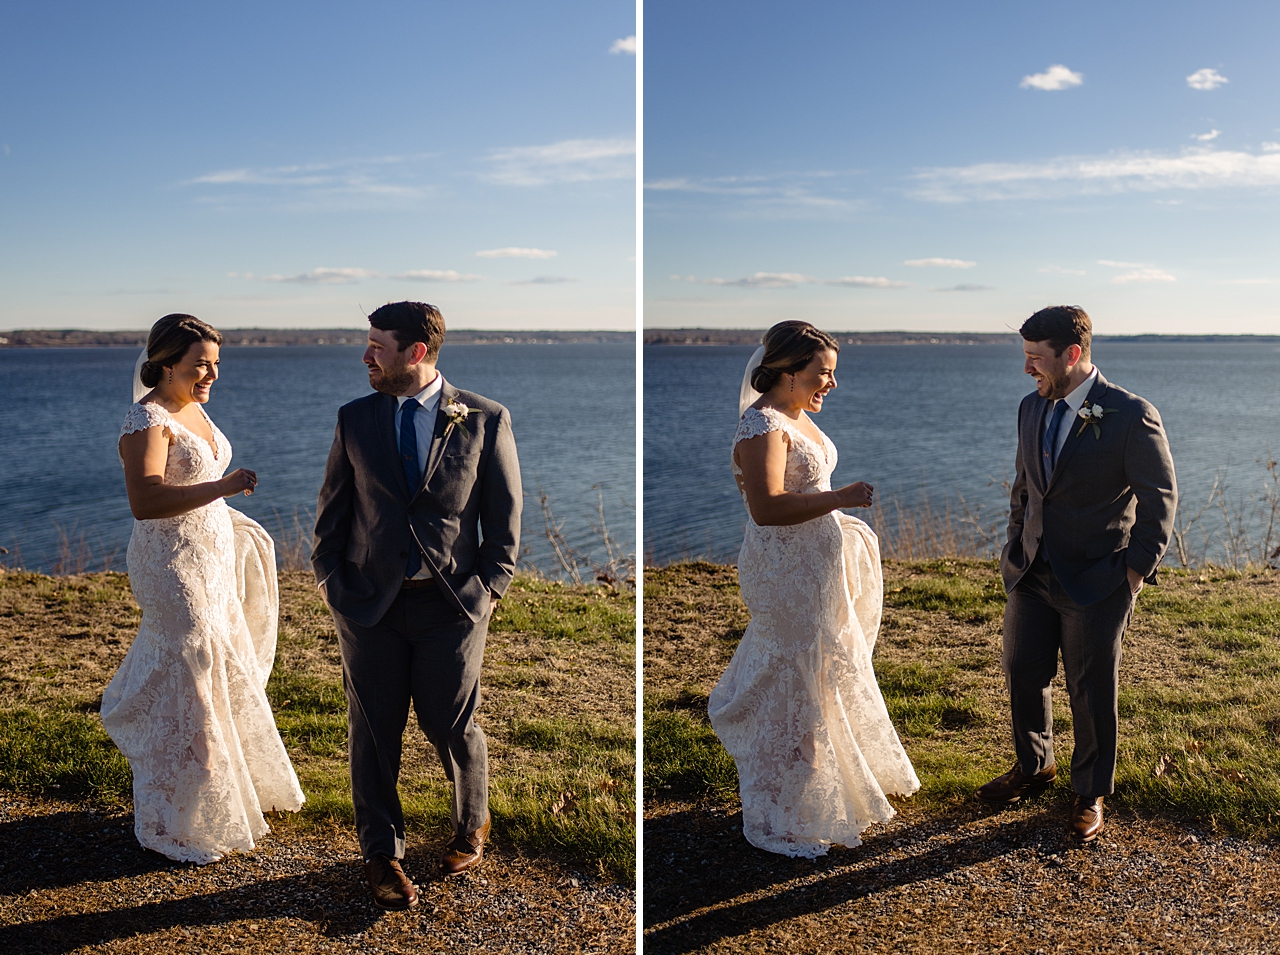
(1074, 402)
(424, 426)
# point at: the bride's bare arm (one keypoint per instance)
(763, 460)
(144, 454)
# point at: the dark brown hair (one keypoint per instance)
(168, 342)
(412, 322)
(788, 347)
(1060, 326)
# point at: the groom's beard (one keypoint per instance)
(391, 382)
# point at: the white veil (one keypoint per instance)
(139, 389)
(747, 396)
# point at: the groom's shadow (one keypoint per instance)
(695, 860)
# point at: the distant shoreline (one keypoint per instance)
(751, 336)
(82, 338)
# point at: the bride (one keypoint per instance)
(187, 706)
(798, 707)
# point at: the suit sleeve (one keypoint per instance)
(502, 498)
(1018, 493)
(333, 509)
(1148, 467)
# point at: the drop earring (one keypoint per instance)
(171, 378)
(793, 382)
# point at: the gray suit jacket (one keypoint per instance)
(1109, 506)
(464, 515)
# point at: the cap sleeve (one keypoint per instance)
(755, 422)
(140, 417)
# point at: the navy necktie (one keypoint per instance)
(412, 472)
(1049, 443)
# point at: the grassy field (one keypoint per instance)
(1199, 697)
(559, 685)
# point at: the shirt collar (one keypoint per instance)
(1076, 399)
(427, 397)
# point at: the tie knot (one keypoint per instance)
(411, 405)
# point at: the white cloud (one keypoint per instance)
(941, 263)
(965, 288)
(1197, 168)
(361, 180)
(1209, 136)
(765, 280)
(436, 275)
(1271, 147)
(324, 277)
(627, 45)
(864, 281)
(542, 280)
(1121, 265)
(512, 252)
(1206, 79)
(799, 190)
(1059, 270)
(1056, 77)
(1140, 272)
(573, 160)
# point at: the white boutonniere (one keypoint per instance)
(456, 412)
(1092, 415)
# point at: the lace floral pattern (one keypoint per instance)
(798, 707)
(188, 706)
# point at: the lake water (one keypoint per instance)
(938, 420)
(572, 408)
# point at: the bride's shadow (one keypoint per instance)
(696, 865)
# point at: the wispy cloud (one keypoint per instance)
(357, 180)
(777, 280)
(1197, 168)
(965, 288)
(940, 263)
(1209, 136)
(1137, 272)
(437, 275)
(1206, 79)
(1059, 270)
(513, 252)
(542, 280)
(321, 277)
(625, 45)
(865, 281)
(807, 192)
(573, 160)
(1056, 77)
(1271, 147)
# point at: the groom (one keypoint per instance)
(1091, 513)
(417, 529)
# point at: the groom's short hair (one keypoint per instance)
(1060, 326)
(412, 322)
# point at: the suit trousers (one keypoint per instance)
(1039, 621)
(425, 650)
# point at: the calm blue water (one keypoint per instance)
(939, 418)
(572, 408)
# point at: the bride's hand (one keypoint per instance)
(856, 495)
(241, 479)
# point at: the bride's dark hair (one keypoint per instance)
(168, 342)
(788, 347)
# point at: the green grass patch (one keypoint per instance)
(67, 754)
(558, 611)
(684, 758)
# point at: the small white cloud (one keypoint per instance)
(941, 263)
(573, 160)
(1144, 275)
(765, 280)
(864, 281)
(1121, 265)
(1206, 79)
(965, 288)
(627, 45)
(1059, 270)
(542, 280)
(436, 275)
(1209, 136)
(1056, 77)
(512, 252)
(324, 277)
(1271, 147)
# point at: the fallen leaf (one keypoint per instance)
(1194, 746)
(1232, 775)
(1161, 764)
(566, 801)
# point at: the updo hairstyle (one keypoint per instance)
(168, 342)
(788, 347)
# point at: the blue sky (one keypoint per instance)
(957, 166)
(299, 164)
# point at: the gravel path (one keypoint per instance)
(977, 881)
(73, 879)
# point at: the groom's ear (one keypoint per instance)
(1074, 354)
(417, 352)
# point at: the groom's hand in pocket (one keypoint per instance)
(1135, 581)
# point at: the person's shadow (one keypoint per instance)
(694, 861)
(72, 847)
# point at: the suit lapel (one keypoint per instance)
(1076, 434)
(386, 415)
(447, 394)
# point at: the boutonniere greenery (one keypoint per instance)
(457, 413)
(1092, 415)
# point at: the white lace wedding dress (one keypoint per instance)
(188, 705)
(798, 707)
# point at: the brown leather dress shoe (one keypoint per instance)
(465, 851)
(1007, 789)
(392, 889)
(1086, 817)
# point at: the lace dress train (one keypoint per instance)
(188, 706)
(798, 707)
